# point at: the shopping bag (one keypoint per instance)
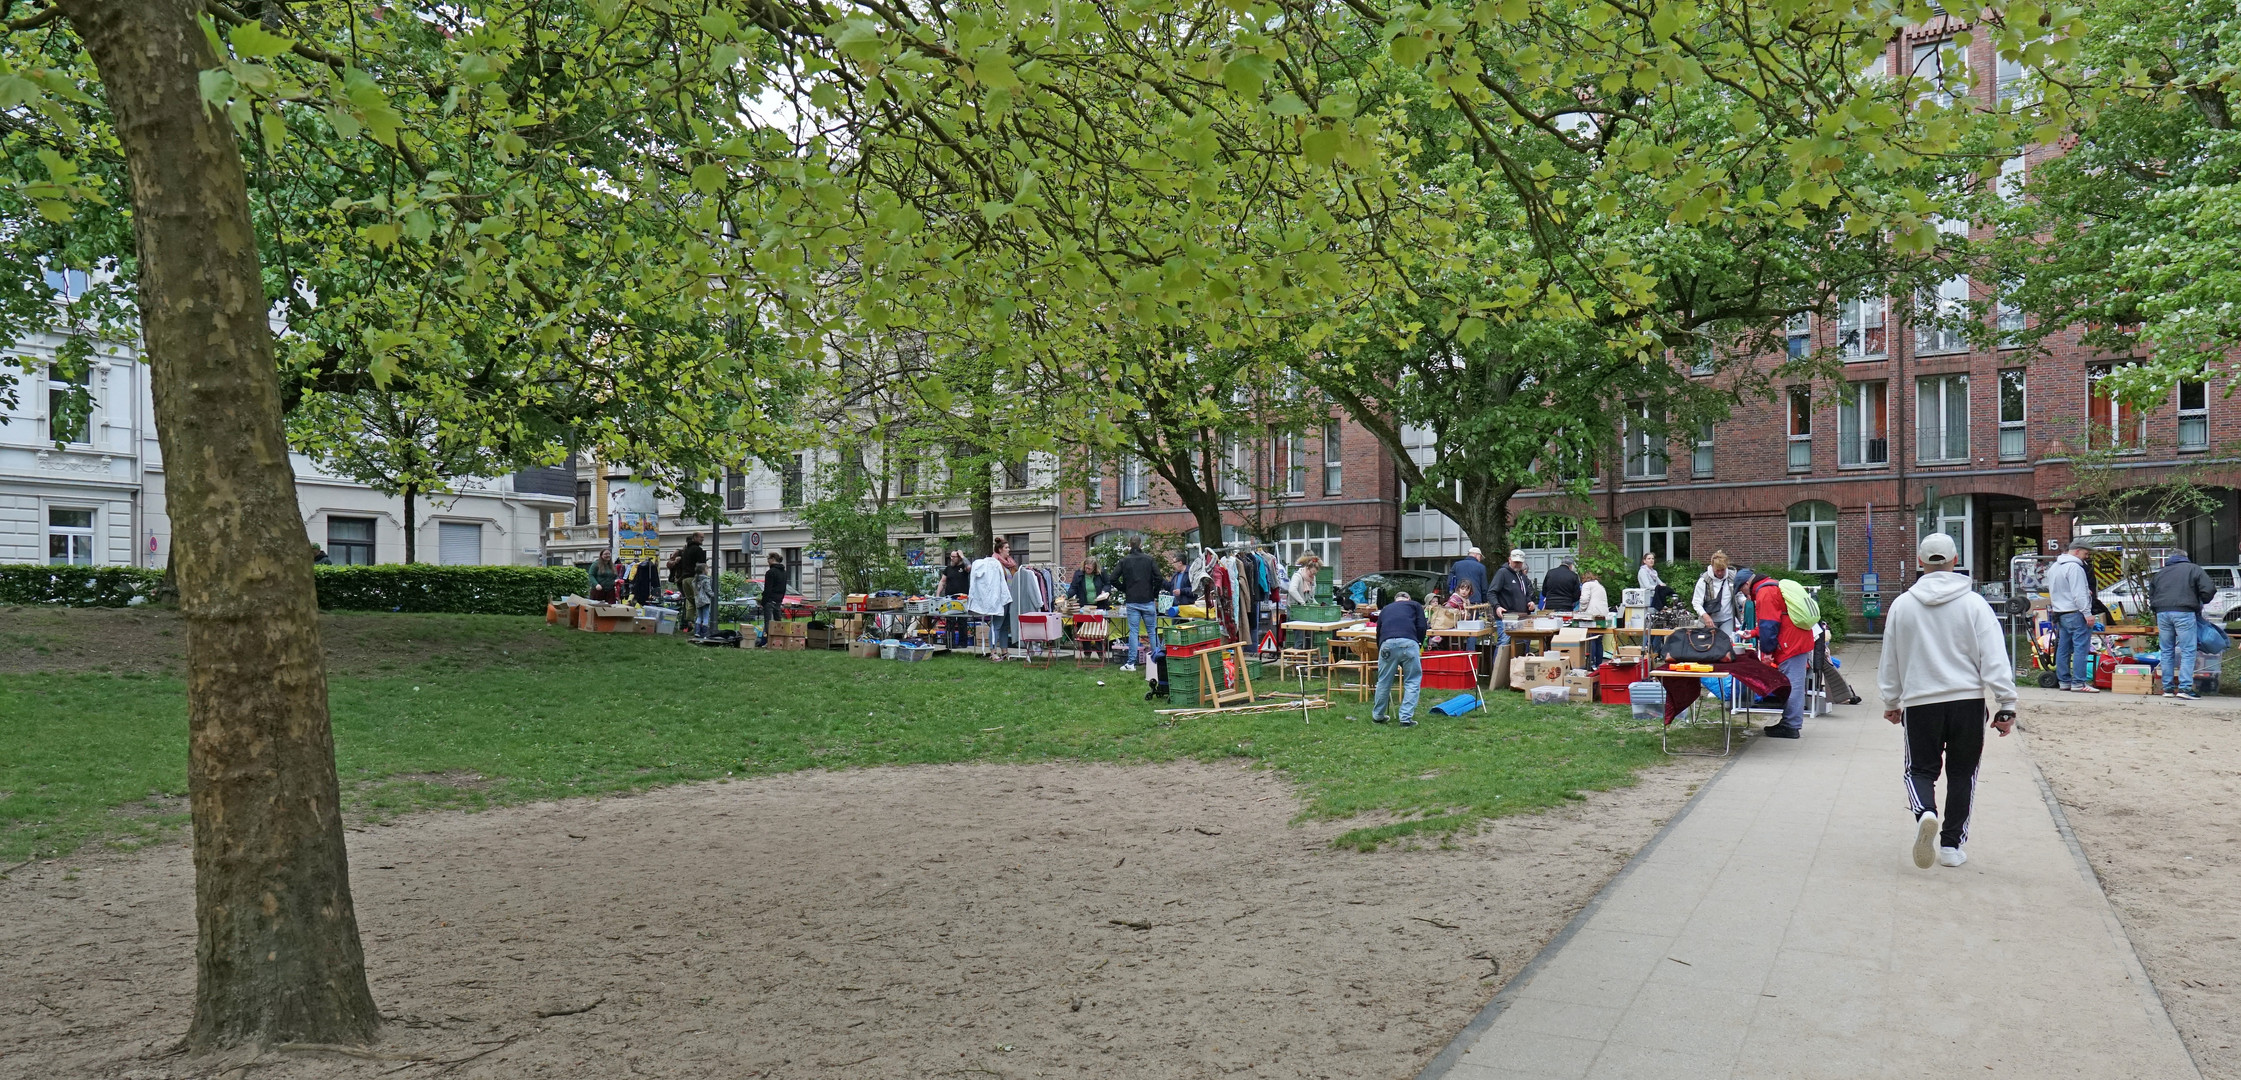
(2209, 637)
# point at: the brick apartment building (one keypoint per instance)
(1332, 491)
(1925, 432)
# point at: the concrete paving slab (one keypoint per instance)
(1778, 928)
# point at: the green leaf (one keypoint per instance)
(1246, 73)
(1321, 145)
(252, 41)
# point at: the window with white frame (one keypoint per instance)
(790, 480)
(1296, 540)
(2014, 175)
(1813, 538)
(2009, 74)
(1333, 459)
(1863, 424)
(1291, 461)
(1933, 61)
(1015, 474)
(2012, 323)
(1940, 321)
(2111, 423)
(1941, 418)
(2194, 416)
(1699, 357)
(1237, 467)
(1093, 484)
(62, 390)
(1801, 428)
(1700, 462)
(69, 536)
(1798, 335)
(350, 541)
(1659, 530)
(2014, 408)
(1645, 442)
(1132, 491)
(1860, 332)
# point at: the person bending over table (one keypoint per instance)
(1400, 650)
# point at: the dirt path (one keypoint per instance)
(1012, 921)
(2153, 790)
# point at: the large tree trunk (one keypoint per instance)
(277, 955)
(412, 526)
(982, 498)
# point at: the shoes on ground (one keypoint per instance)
(1128, 667)
(2085, 688)
(2170, 691)
(2187, 695)
(1408, 723)
(1779, 731)
(1855, 700)
(1926, 839)
(1374, 719)
(1952, 856)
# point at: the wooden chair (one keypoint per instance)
(1091, 640)
(1359, 661)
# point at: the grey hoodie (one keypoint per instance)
(2069, 585)
(1941, 642)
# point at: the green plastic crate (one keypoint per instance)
(1312, 613)
(1188, 631)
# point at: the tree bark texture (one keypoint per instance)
(412, 525)
(277, 953)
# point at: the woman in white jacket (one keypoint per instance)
(1942, 654)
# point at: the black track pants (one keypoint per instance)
(1948, 734)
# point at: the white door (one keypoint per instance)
(458, 543)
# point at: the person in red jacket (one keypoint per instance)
(1785, 645)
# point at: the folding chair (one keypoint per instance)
(1090, 632)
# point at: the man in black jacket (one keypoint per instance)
(775, 582)
(1561, 588)
(1139, 582)
(2179, 591)
(684, 570)
(1401, 627)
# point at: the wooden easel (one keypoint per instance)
(1211, 689)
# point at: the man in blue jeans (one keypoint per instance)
(2069, 586)
(1139, 581)
(1401, 627)
(2177, 595)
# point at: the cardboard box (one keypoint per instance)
(1499, 678)
(788, 644)
(864, 650)
(1530, 671)
(1630, 652)
(1582, 686)
(2143, 685)
(796, 630)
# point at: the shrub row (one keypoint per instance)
(456, 590)
(78, 586)
(451, 590)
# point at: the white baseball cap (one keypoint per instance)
(1517, 555)
(1937, 550)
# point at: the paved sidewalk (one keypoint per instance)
(1780, 930)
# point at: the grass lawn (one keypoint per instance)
(470, 711)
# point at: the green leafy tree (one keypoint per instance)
(851, 527)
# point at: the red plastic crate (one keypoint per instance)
(1182, 652)
(1451, 671)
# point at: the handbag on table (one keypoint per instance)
(1699, 645)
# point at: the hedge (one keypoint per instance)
(79, 586)
(452, 590)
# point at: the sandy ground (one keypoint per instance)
(1011, 921)
(2153, 790)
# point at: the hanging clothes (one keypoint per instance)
(989, 591)
(1217, 595)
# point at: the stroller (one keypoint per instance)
(2042, 637)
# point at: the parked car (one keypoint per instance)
(2227, 580)
(1378, 589)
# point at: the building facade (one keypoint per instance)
(1331, 491)
(97, 499)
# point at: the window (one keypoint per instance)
(1659, 530)
(458, 543)
(2012, 413)
(1939, 320)
(1801, 429)
(1699, 357)
(1298, 539)
(1021, 547)
(67, 284)
(906, 471)
(1952, 516)
(1132, 482)
(1237, 467)
(2014, 175)
(62, 391)
(1700, 463)
(2012, 324)
(1859, 329)
(789, 481)
(2008, 74)
(1813, 538)
(1015, 474)
(1933, 61)
(1287, 464)
(1093, 489)
(1331, 459)
(2110, 423)
(69, 537)
(1941, 418)
(1645, 444)
(1799, 335)
(583, 503)
(350, 541)
(735, 489)
(1863, 424)
(2194, 416)
(793, 568)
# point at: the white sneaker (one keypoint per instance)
(1952, 856)
(1926, 839)
(1128, 667)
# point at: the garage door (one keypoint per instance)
(458, 543)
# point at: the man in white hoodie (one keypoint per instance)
(1942, 654)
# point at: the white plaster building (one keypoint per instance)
(98, 499)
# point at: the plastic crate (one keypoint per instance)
(1647, 699)
(1450, 671)
(1313, 613)
(1190, 632)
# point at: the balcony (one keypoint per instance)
(577, 534)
